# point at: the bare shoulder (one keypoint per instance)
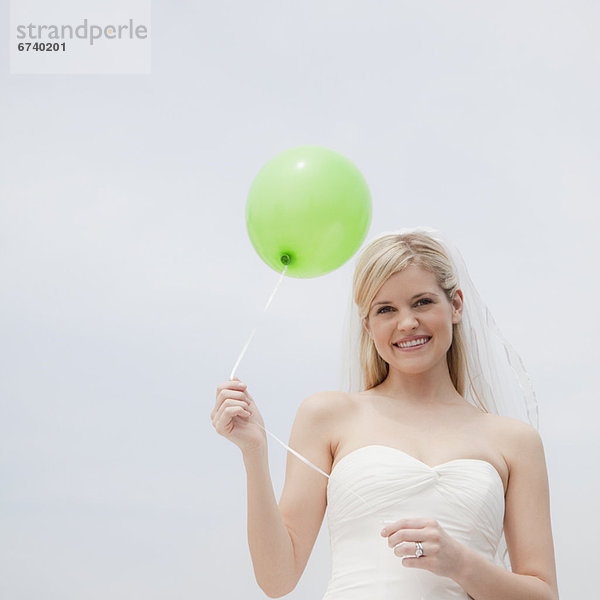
(507, 426)
(516, 439)
(304, 496)
(527, 525)
(321, 416)
(323, 404)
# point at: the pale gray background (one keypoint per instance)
(129, 284)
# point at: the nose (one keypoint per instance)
(407, 321)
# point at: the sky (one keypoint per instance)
(129, 284)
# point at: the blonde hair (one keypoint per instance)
(382, 258)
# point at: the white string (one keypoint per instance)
(239, 360)
(382, 585)
(236, 365)
(296, 454)
(302, 458)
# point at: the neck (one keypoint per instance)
(432, 387)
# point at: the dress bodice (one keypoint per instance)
(376, 483)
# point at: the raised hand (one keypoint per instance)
(236, 417)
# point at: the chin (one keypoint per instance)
(415, 367)
(410, 369)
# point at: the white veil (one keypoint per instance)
(496, 377)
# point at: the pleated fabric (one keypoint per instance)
(377, 483)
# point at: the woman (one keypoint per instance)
(418, 448)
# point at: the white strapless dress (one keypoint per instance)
(466, 496)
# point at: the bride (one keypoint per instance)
(425, 482)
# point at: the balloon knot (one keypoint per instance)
(286, 259)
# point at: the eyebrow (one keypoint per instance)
(413, 298)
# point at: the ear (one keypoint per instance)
(457, 306)
(365, 323)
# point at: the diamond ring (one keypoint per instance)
(419, 550)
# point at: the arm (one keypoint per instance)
(268, 539)
(281, 537)
(527, 529)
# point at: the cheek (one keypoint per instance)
(381, 327)
(380, 334)
(443, 324)
(444, 316)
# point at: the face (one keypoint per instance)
(410, 321)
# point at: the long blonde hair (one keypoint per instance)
(382, 258)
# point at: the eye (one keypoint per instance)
(424, 300)
(383, 309)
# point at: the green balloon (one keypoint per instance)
(310, 208)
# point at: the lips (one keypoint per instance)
(414, 342)
(412, 338)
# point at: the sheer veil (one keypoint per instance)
(496, 379)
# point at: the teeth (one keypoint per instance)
(412, 343)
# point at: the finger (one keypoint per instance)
(225, 395)
(234, 394)
(235, 384)
(406, 535)
(410, 523)
(230, 403)
(223, 422)
(409, 550)
(418, 563)
(231, 382)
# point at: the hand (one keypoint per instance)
(442, 554)
(235, 416)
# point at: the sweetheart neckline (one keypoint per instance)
(430, 467)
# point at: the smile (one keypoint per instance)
(413, 344)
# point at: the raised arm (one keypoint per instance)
(282, 536)
(304, 497)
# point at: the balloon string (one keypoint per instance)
(365, 502)
(369, 505)
(313, 466)
(239, 360)
(296, 454)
